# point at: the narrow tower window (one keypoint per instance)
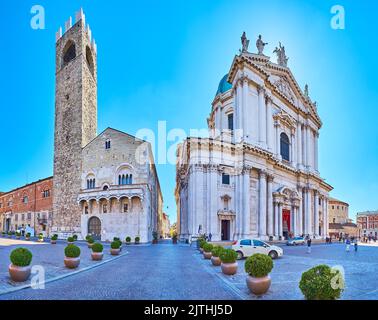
(230, 119)
(285, 147)
(69, 52)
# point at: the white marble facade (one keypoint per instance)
(120, 194)
(257, 173)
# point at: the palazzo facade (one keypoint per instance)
(256, 175)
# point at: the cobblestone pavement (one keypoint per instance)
(360, 268)
(51, 257)
(163, 271)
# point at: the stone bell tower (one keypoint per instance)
(75, 119)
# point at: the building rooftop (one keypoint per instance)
(224, 85)
(367, 213)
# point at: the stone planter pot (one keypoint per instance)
(229, 268)
(207, 255)
(71, 263)
(128, 243)
(27, 239)
(258, 286)
(53, 241)
(97, 256)
(40, 240)
(69, 242)
(115, 252)
(154, 241)
(174, 241)
(18, 237)
(216, 261)
(136, 242)
(19, 274)
(89, 245)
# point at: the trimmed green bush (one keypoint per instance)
(115, 245)
(9, 233)
(40, 236)
(258, 265)
(18, 233)
(74, 237)
(97, 247)
(90, 240)
(316, 283)
(137, 239)
(202, 242)
(28, 235)
(21, 257)
(87, 237)
(128, 239)
(228, 256)
(54, 237)
(116, 239)
(207, 247)
(216, 251)
(70, 239)
(72, 251)
(155, 235)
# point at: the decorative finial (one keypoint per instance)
(306, 90)
(245, 43)
(58, 34)
(89, 31)
(80, 16)
(68, 24)
(260, 45)
(281, 55)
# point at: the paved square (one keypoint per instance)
(360, 268)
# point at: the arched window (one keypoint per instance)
(91, 183)
(285, 147)
(69, 52)
(131, 179)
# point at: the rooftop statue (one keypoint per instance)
(260, 45)
(281, 55)
(245, 43)
(306, 90)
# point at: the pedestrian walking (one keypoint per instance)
(347, 245)
(355, 246)
(210, 236)
(309, 245)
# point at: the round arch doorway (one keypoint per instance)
(94, 228)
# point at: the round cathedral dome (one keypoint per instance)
(224, 85)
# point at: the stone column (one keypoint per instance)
(276, 224)
(306, 146)
(300, 214)
(277, 130)
(270, 206)
(238, 133)
(308, 212)
(245, 112)
(262, 116)
(262, 204)
(269, 123)
(280, 222)
(326, 210)
(238, 208)
(246, 204)
(299, 145)
(293, 150)
(316, 213)
(316, 160)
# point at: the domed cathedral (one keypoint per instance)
(257, 173)
(105, 185)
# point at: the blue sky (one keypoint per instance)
(162, 60)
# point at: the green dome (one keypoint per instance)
(224, 85)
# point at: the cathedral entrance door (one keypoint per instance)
(286, 223)
(94, 228)
(225, 230)
(7, 224)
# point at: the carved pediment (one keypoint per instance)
(283, 87)
(285, 119)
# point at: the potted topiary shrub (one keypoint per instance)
(137, 240)
(97, 253)
(9, 234)
(174, 238)
(207, 247)
(27, 236)
(74, 237)
(53, 239)
(19, 269)
(114, 248)
(202, 242)
(90, 242)
(154, 237)
(258, 267)
(322, 283)
(215, 253)
(229, 265)
(40, 237)
(120, 242)
(70, 240)
(72, 256)
(128, 240)
(18, 234)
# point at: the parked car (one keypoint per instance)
(248, 247)
(295, 241)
